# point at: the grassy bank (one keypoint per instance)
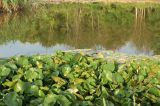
(14, 5)
(98, 1)
(76, 79)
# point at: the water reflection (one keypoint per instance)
(17, 48)
(129, 48)
(112, 27)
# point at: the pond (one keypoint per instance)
(122, 28)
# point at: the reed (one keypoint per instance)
(12, 5)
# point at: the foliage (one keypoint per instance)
(12, 5)
(58, 21)
(75, 79)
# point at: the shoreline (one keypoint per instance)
(105, 54)
(96, 1)
(105, 2)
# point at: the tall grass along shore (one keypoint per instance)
(14, 5)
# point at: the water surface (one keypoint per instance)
(121, 28)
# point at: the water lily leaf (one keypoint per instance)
(4, 71)
(11, 66)
(94, 65)
(104, 92)
(16, 77)
(70, 96)
(41, 93)
(156, 104)
(9, 83)
(120, 93)
(110, 66)
(67, 56)
(128, 103)
(34, 90)
(55, 89)
(106, 76)
(85, 103)
(140, 78)
(36, 102)
(118, 78)
(66, 70)
(55, 73)
(78, 81)
(72, 90)
(155, 91)
(45, 88)
(38, 82)
(50, 100)
(12, 99)
(31, 74)
(59, 80)
(125, 75)
(22, 61)
(100, 55)
(143, 72)
(89, 98)
(151, 97)
(20, 71)
(154, 81)
(19, 86)
(57, 60)
(79, 96)
(85, 74)
(39, 65)
(27, 87)
(103, 102)
(63, 101)
(77, 58)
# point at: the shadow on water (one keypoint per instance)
(127, 29)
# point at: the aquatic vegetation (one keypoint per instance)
(76, 79)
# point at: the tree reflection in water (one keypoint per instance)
(111, 27)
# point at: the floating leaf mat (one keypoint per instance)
(78, 79)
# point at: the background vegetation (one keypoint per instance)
(84, 25)
(12, 5)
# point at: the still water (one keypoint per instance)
(121, 28)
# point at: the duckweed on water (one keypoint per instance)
(75, 79)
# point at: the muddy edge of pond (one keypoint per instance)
(106, 54)
(116, 56)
